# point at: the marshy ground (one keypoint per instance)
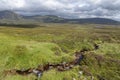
(27, 48)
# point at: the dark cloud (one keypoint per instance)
(65, 8)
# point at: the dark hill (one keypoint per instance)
(92, 21)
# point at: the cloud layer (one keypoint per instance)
(65, 8)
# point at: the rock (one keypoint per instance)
(80, 72)
(60, 68)
(37, 73)
(71, 66)
(73, 79)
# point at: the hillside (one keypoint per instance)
(46, 18)
(12, 17)
(93, 21)
(56, 19)
(9, 15)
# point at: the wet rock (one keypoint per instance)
(60, 68)
(67, 68)
(37, 73)
(71, 66)
(80, 58)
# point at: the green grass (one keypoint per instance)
(29, 54)
(110, 50)
(29, 47)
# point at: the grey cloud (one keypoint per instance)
(65, 8)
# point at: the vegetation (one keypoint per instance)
(23, 48)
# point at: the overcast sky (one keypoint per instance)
(65, 8)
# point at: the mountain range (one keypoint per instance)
(10, 17)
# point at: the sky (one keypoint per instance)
(65, 8)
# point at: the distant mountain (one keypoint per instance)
(9, 15)
(12, 17)
(92, 21)
(46, 18)
(56, 19)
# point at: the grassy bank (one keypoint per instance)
(23, 48)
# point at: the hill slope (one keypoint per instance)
(93, 21)
(9, 15)
(12, 17)
(56, 19)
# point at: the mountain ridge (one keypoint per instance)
(9, 16)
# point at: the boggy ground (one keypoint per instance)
(79, 56)
(85, 66)
(83, 58)
(23, 49)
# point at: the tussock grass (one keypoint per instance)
(23, 48)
